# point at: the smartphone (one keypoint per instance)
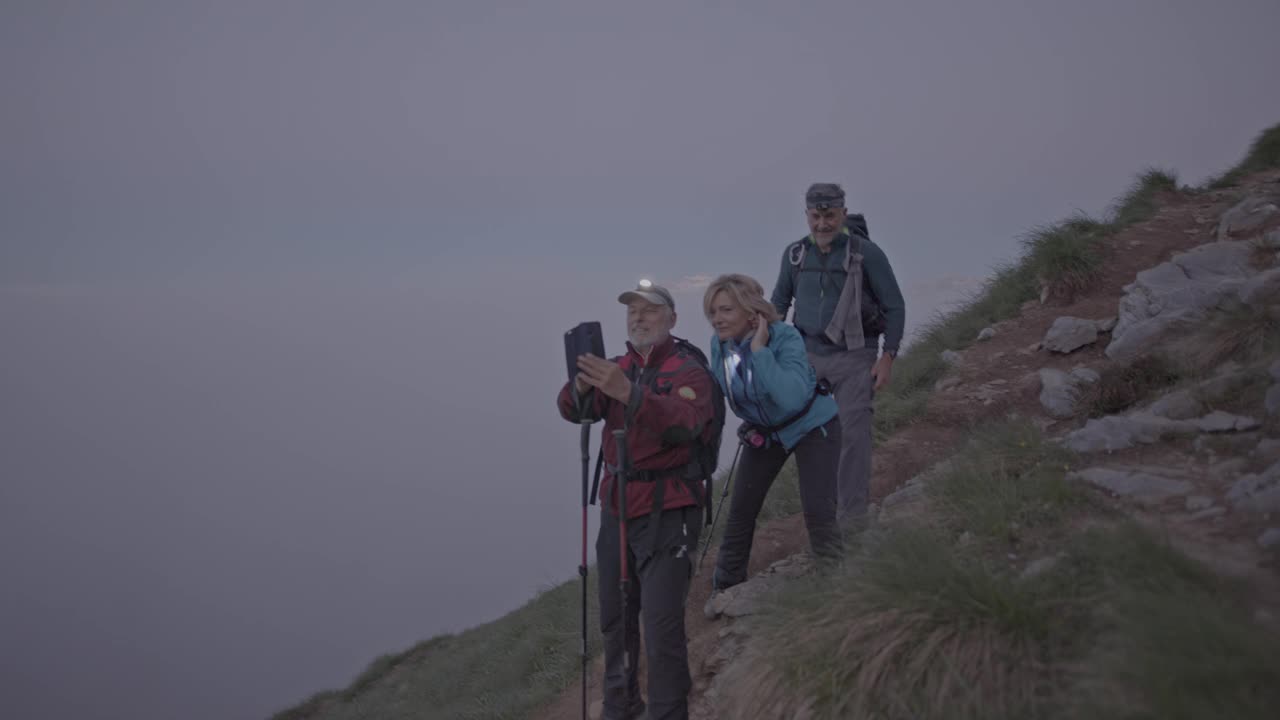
(584, 339)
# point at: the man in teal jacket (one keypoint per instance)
(845, 296)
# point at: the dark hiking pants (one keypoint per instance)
(657, 585)
(817, 459)
(850, 376)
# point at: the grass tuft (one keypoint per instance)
(1140, 202)
(1240, 333)
(1124, 385)
(1173, 640)
(1066, 256)
(1263, 154)
(1005, 480)
(309, 708)
(920, 630)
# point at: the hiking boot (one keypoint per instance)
(715, 603)
(635, 712)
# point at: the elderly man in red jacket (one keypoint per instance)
(663, 398)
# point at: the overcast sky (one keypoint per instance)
(282, 283)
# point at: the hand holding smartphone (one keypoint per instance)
(584, 339)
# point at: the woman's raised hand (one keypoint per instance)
(761, 338)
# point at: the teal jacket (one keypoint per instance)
(768, 386)
(816, 292)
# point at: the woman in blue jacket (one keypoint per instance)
(765, 373)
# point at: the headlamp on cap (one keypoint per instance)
(649, 292)
(824, 196)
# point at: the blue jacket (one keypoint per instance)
(770, 385)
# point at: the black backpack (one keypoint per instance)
(706, 451)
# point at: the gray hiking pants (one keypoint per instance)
(849, 374)
(657, 585)
(817, 458)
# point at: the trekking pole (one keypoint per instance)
(582, 569)
(624, 461)
(723, 494)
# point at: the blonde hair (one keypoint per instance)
(744, 291)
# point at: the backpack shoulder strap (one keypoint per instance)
(853, 253)
(795, 256)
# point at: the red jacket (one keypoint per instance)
(666, 416)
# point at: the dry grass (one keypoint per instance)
(920, 626)
(1122, 386)
(1263, 154)
(920, 630)
(1262, 257)
(1241, 333)
(923, 624)
(1067, 256)
(1141, 201)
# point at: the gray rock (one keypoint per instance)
(1107, 325)
(1272, 400)
(1247, 215)
(987, 334)
(746, 598)
(1177, 405)
(1140, 336)
(1196, 503)
(1269, 538)
(1230, 367)
(1117, 432)
(1223, 386)
(1230, 444)
(1228, 469)
(898, 500)
(1261, 289)
(1207, 513)
(1274, 370)
(1084, 375)
(1232, 259)
(1257, 492)
(951, 357)
(1036, 568)
(1271, 240)
(946, 383)
(1267, 451)
(1219, 421)
(1068, 334)
(1141, 487)
(1168, 471)
(1179, 291)
(1058, 393)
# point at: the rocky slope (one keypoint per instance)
(1177, 326)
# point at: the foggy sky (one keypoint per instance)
(282, 284)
